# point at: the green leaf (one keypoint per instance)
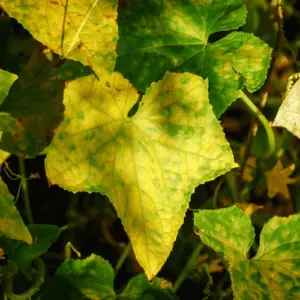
(93, 278)
(23, 254)
(274, 272)
(139, 288)
(6, 81)
(174, 35)
(11, 223)
(86, 31)
(33, 108)
(90, 278)
(148, 165)
(288, 115)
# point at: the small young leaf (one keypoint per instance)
(274, 272)
(86, 31)
(23, 254)
(148, 165)
(288, 115)
(6, 81)
(174, 35)
(11, 223)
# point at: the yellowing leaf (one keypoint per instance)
(81, 30)
(11, 224)
(278, 179)
(6, 81)
(249, 208)
(148, 165)
(3, 156)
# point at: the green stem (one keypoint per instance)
(123, 257)
(258, 114)
(220, 285)
(34, 288)
(188, 267)
(25, 191)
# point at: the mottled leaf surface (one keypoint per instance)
(226, 230)
(148, 165)
(274, 272)
(86, 31)
(6, 81)
(93, 278)
(176, 35)
(33, 108)
(11, 223)
(288, 115)
(23, 254)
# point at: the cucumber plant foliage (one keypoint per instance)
(75, 96)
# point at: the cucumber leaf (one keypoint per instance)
(85, 31)
(274, 272)
(148, 164)
(176, 35)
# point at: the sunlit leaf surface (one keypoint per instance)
(6, 81)
(288, 115)
(148, 165)
(86, 30)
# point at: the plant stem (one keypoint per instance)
(25, 191)
(123, 257)
(257, 113)
(188, 267)
(265, 92)
(34, 288)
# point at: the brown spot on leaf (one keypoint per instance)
(54, 2)
(107, 84)
(79, 46)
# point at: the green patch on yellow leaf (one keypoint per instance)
(149, 164)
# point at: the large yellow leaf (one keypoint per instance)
(83, 30)
(149, 164)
